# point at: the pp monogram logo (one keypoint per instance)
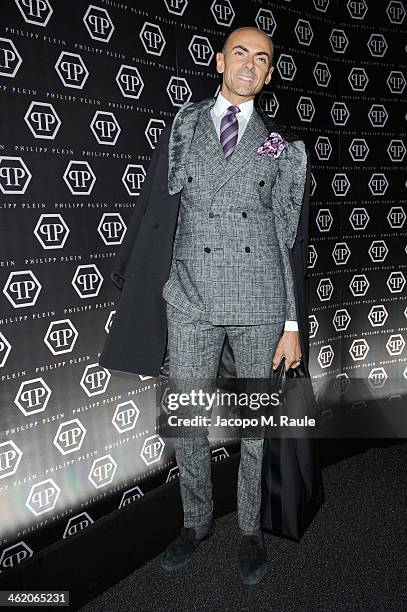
(378, 184)
(395, 344)
(357, 9)
(286, 67)
(71, 70)
(377, 315)
(98, 23)
(13, 555)
(303, 32)
(377, 45)
(153, 131)
(359, 218)
(269, 103)
(172, 474)
(87, 281)
(325, 356)
(396, 282)
(396, 150)
(340, 113)
(152, 38)
(396, 217)
(313, 325)
(341, 319)
(219, 454)
(152, 450)
(178, 91)
(358, 149)
(130, 496)
(129, 81)
(94, 379)
(22, 288)
(223, 12)
(359, 349)
(61, 336)
(42, 120)
(32, 396)
(105, 128)
(378, 251)
(133, 178)
(340, 184)
(10, 457)
(322, 74)
(14, 175)
(265, 21)
(10, 59)
(79, 177)
(51, 231)
(201, 50)
(70, 436)
(102, 471)
(396, 82)
(358, 79)
(76, 524)
(312, 256)
(176, 7)
(377, 378)
(112, 228)
(323, 148)
(321, 5)
(125, 416)
(324, 219)
(325, 289)
(359, 285)
(339, 41)
(377, 115)
(37, 12)
(396, 12)
(43, 497)
(5, 348)
(340, 253)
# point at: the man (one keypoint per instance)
(230, 272)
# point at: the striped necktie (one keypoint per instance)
(229, 129)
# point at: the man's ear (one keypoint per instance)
(220, 62)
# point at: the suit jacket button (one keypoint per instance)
(247, 249)
(156, 225)
(190, 179)
(244, 214)
(207, 250)
(211, 215)
(261, 183)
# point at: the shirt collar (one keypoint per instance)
(222, 104)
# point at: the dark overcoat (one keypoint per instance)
(137, 340)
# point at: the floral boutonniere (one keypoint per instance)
(272, 146)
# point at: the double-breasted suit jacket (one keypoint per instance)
(241, 227)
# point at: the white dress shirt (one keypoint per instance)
(246, 109)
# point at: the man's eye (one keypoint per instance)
(241, 53)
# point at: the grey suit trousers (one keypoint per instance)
(195, 348)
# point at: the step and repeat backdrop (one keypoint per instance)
(85, 90)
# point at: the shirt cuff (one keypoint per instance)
(290, 326)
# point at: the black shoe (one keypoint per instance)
(179, 552)
(252, 558)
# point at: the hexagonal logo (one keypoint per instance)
(378, 251)
(377, 316)
(71, 69)
(61, 336)
(125, 416)
(178, 90)
(98, 23)
(152, 38)
(396, 282)
(286, 67)
(377, 45)
(268, 103)
(14, 175)
(321, 5)
(396, 12)
(51, 231)
(42, 120)
(313, 184)
(324, 219)
(70, 436)
(130, 496)
(265, 21)
(105, 128)
(22, 288)
(95, 379)
(133, 178)
(32, 396)
(37, 12)
(340, 113)
(313, 325)
(173, 474)
(396, 82)
(176, 7)
(342, 383)
(359, 349)
(129, 81)
(223, 12)
(79, 177)
(305, 109)
(102, 471)
(359, 285)
(395, 344)
(109, 321)
(152, 450)
(358, 149)
(340, 184)
(10, 59)
(219, 454)
(112, 228)
(43, 497)
(341, 319)
(5, 348)
(377, 378)
(303, 32)
(153, 131)
(396, 217)
(10, 457)
(14, 555)
(339, 41)
(377, 115)
(325, 356)
(378, 184)
(201, 50)
(340, 253)
(358, 79)
(323, 148)
(359, 218)
(357, 9)
(87, 281)
(396, 150)
(325, 289)
(76, 524)
(322, 74)
(312, 256)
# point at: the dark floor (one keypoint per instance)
(353, 557)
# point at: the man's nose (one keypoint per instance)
(249, 62)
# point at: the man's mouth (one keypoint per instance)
(246, 78)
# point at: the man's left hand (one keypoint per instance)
(289, 347)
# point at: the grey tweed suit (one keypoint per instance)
(230, 274)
